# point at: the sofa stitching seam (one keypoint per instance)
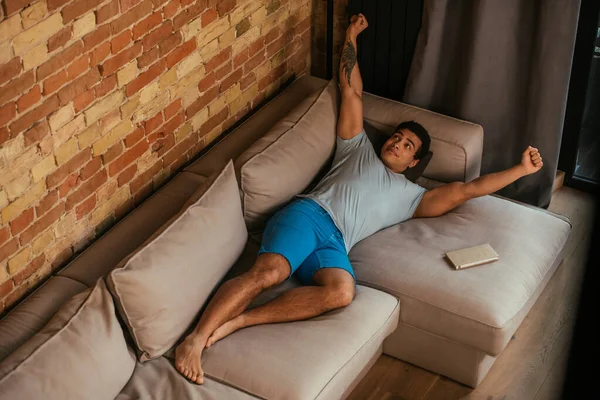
(233, 386)
(563, 218)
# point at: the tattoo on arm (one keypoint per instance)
(348, 59)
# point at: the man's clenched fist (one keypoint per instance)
(531, 160)
(358, 23)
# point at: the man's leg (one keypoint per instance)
(335, 289)
(288, 239)
(229, 301)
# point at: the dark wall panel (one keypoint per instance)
(385, 49)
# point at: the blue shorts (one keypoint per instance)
(304, 233)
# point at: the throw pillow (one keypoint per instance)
(80, 354)
(161, 288)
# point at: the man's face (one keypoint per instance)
(398, 152)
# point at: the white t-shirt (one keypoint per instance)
(361, 194)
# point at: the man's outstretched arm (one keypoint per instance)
(440, 200)
(350, 121)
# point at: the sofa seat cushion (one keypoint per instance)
(159, 380)
(479, 306)
(305, 359)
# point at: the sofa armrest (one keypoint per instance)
(456, 145)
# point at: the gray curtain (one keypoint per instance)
(504, 64)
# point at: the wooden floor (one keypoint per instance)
(532, 366)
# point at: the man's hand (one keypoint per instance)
(358, 23)
(531, 161)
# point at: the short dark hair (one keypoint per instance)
(421, 133)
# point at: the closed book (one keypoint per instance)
(472, 256)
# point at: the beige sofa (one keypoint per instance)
(409, 303)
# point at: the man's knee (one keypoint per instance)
(270, 269)
(341, 294)
(339, 284)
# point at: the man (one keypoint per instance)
(361, 194)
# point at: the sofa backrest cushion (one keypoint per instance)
(80, 354)
(35, 311)
(283, 162)
(457, 144)
(160, 288)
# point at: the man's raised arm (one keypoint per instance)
(350, 121)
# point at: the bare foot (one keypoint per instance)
(187, 358)
(226, 329)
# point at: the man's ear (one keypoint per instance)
(413, 163)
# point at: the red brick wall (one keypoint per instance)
(102, 101)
